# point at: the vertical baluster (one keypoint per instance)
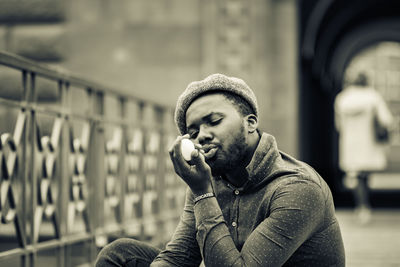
(64, 92)
(26, 220)
(164, 177)
(150, 194)
(122, 161)
(160, 173)
(114, 161)
(95, 170)
(31, 92)
(142, 172)
(136, 149)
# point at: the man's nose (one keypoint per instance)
(204, 135)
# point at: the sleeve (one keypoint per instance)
(182, 249)
(297, 210)
(384, 115)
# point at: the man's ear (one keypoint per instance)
(251, 122)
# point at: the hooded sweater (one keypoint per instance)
(282, 216)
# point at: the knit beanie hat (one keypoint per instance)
(215, 82)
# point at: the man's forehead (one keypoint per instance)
(207, 105)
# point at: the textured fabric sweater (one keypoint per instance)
(283, 216)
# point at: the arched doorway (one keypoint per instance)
(332, 33)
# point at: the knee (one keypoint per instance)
(115, 253)
(120, 244)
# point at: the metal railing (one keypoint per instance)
(80, 164)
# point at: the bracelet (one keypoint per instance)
(203, 196)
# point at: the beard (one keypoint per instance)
(229, 159)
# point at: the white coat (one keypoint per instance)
(354, 118)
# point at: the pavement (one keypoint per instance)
(371, 243)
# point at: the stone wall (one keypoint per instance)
(150, 48)
(155, 48)
(282, 58)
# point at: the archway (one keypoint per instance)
(331, 35)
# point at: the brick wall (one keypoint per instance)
(155, 48)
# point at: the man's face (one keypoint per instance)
(213, 122)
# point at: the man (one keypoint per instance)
(357, 108)
(247, 203)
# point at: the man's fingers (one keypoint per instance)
(177, 142)
(199, 160)
(198, 146)
(175, 154)
(195, 167)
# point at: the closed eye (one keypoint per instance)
(215, 122)
(211, 120)
(193, 134)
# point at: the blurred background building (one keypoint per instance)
(293, 54)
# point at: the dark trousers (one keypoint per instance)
(126, 252)
(362, 191)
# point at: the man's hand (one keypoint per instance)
(196, 173)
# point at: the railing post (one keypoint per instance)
(26, 209)
(31, 98)
(64, 170)
(96, 166)
(122, 159)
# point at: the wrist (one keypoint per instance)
(203, 196)
(202, 191)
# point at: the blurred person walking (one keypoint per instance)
(363, 120)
